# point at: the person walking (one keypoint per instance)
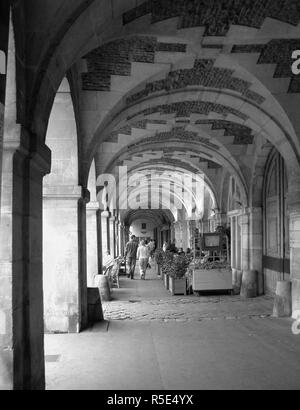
(130, 256)
(143, 256)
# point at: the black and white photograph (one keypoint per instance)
(149, 198)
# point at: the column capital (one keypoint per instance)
(73, 192)
(92, 206)
(41, 158)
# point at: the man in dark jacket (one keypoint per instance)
(130, 256)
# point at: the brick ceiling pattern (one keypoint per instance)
(242, 134)
(186, 108)
(126, 130)
(115, 58)
(175, 134)
(277, 52)
(202, 74)
(216, 16)
(168, 159)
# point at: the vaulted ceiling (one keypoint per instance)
(197, 84)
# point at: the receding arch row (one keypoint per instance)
(179, 145)
(182, 166)
(260, 121)
(163, 175)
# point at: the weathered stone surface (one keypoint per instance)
(217, 16)
(283, 299)
(103, 285)
(249, 284)
(202, 74)
(95, 313)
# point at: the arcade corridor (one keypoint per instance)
(171, 120)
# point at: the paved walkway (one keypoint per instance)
(152, 340)
(149, 300)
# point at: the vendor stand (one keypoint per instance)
(212, 272)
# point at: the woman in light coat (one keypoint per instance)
(143, 256)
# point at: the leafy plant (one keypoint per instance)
(159, 256)
(180, 265)
(175, 265)
(166, 265)
(211, 265)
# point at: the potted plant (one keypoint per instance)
(166, 267)
(159, 256)
(212, 275)
(177, 275)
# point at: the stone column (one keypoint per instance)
(105, 232)
(122, 245)
(64, 258)
(21, 277)
(236, 249)
(233, 242)
(185, 235)
(25, 161)
(92, 242)
(118, 237)
(243, 235)
(99, 241)
(256, 244)
(83, 297)
(112, 236)
(178, 235)
(294, 215)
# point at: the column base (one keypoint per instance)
(282, 301)
(236, 281)
(295, 298)
(249, 284)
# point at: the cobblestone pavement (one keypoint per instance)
(149, 301)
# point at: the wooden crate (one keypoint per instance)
(212, 279)
(177, 286)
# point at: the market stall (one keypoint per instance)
(212, 271)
